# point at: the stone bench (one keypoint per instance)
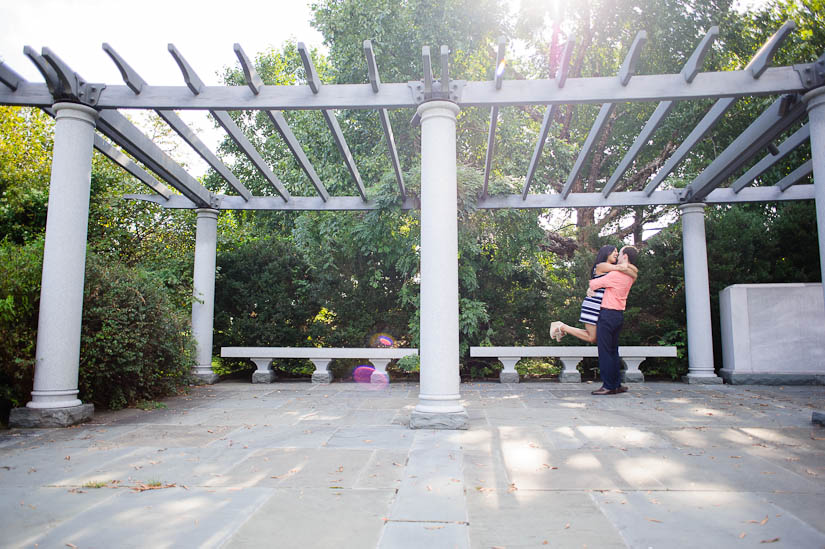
(320, 357)
(570, 358)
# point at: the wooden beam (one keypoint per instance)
(384, 118)
(763, 57)
(8, 77)
(510, 201)
(534, 161)
(338, 136)
(689, 71)
(564, 65)
(136, 83)
(313, 81)
(246, 147)
(235, 133)
(372, 66)
(331, 120)
(126, 163)
(756, 137)
(755, 68)
(279, 121)
(660, 87)
(628, 67)
(255, 83)
(253, 80)
(798, 138)
(796, 176)
(589, 143)
(190, 137)
(697, 58)
(115, 126)
(498, 76)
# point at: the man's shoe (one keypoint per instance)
(605, 391)
(621, 389)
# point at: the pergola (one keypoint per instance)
(83, 110)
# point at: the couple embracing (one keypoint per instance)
(602, 313)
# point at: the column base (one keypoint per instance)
(770, 378)
(508, 377)
(570, 377)
(702, 380)
(321, 377)
(259, 376)
(206, 379)
(632, 377)
(37, 418)
(439, 420)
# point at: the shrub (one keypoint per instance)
(20, 267)
(135, 344)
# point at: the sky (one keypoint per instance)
(204, 31)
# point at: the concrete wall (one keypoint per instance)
(773, 333)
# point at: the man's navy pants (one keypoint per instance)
(607, 338)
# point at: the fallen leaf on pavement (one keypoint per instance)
(652, 519)
(774, 540)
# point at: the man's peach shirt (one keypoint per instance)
(617, 286)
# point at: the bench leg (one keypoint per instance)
(509, 373)
(264, 373)
(569, 373)
(322, 373)
(632, 374)
(379, 375)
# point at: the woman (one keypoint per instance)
(605, 262)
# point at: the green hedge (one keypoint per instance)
(135, 342)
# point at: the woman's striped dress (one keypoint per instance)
(591, 306)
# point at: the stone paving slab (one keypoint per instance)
(315, 518)
(718, 519)
(415, 535)
(27, 513)
(293, 464)
(171, 517)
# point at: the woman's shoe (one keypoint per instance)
(605, 391)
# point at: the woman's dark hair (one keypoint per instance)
(601, 257)
(631, 253)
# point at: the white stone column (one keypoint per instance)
(203, 308)
(57, 358)
(439, 405)
(697, 296)
(815, 100)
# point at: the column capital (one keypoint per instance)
(84, 113)
(815, 98)
(438, 107)
(207, 212)
(693, 207)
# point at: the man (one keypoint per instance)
(611, 317)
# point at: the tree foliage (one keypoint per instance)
(342, 278)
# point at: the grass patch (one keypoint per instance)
(96, 484)
(150, 405)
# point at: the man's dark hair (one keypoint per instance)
(631, 253)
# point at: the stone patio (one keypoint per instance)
(543, 464)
